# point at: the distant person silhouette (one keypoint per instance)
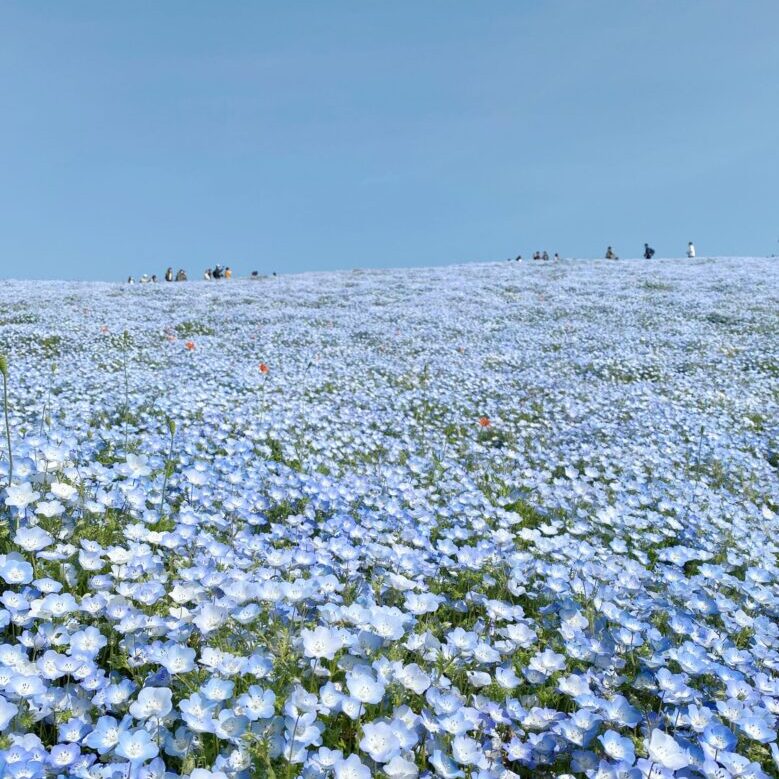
(690, 250)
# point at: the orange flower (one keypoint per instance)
(263, 367)
(190, 346)
(484, 421)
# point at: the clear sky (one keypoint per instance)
(295, 136)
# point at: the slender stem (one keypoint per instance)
(292, 746)
(165, 477)
(126, 411)
(8, 431)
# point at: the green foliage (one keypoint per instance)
(190, 329)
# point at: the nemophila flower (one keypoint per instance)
(116, 694)
(178, 659)
(546, 663)
(8, 711)
(618, 747)
(699, 717)
(20, 496)
(63, 490)
(479, 678)
(401, 768)
(468, 751)
(32, 539)
(73, 730)
(322, 642)
(445, 766)
(216, 689)
(758, 728)
(363, 686)
(619, 711)
(718, 737)
(198, 713)
(665, 751)
(87, 642)
(462, 640)
(15, 570)
(351, 768)
(210, 617)
(731, 709)
(230, 727)
(136, 746)
(379, 741)
(507, 678)
(152, 702)
(64, 755)
(256, 703)
(24, 686)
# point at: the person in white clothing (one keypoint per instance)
(690, 249)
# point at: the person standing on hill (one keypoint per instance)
(649, 252)
(690, 250)
(610, 254)
(169, 274)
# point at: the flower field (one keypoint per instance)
(483, 521)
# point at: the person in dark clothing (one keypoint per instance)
(610, 255)
(649, 252)
(169, 274)
(217, 272)
(181, 275)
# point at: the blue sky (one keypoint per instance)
(321, 135)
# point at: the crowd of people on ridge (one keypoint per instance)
(209, 274)
(218, 272)
(649, 252)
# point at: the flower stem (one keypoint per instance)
(8, 429)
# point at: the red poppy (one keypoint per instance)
(263, 367)
(484, 421)
(190, 346)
